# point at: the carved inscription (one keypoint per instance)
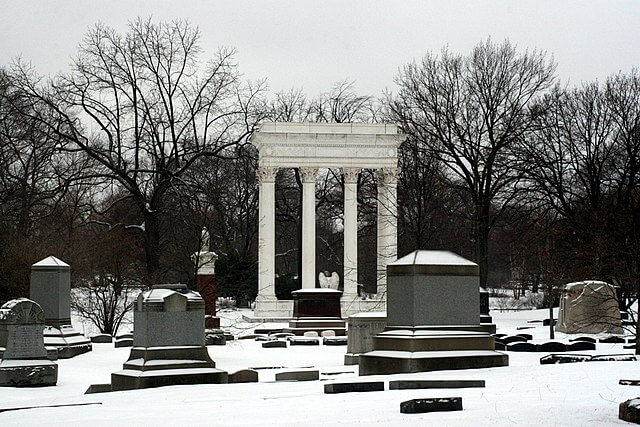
(24, 342)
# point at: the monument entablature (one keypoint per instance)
(327, 145)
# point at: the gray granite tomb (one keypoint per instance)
(433, 318)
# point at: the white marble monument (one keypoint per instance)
(309, 147)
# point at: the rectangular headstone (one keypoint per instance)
(436, 404)
(422, 384)
(274, 344)
(353, 387)
(298, 376)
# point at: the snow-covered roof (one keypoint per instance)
(50, 262)
(433, 262)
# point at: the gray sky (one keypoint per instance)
(312, 44)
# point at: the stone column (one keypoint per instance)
(387, 179)
(350, 276)
(308, 176)
(266, 234)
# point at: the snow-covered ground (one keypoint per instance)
(524, 393)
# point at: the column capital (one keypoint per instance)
(266, 174)
(308, 174)
(351, 175)
(387, 176)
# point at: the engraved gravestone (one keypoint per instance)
(24, 360)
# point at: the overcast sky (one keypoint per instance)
(312, 44)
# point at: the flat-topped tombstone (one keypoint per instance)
(298, 376)
(353, 387)
(24, 361)
(433, 288)
(422, 384)
(274, 344)
(435, 404)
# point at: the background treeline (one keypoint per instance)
(117, 165)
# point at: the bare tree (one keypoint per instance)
(143, 107)
(470, 111)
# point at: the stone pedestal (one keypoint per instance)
(362, 327)
(433, 311)
(51, 288)
(24, 360)
(316, 310)
(168, 342)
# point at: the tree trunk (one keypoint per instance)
(482, 242)
(152, 247)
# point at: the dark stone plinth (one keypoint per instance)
(422, 384)
(102, 339)
(243, 376)
(298, 376)
(319, 302)
(612, 340)
(334, 341)
(522, 347)
(581, 345)
(585, 339)
(304, 341)
(274, 344)
(98, 388)
(630, 411)
(206, 286)
(552, 346)
(353, 387)
(435, 404)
